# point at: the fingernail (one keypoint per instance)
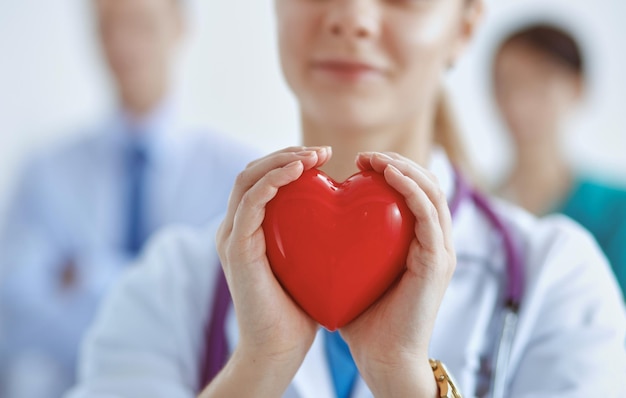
(394, 169)
(382, 156)
(305, 154)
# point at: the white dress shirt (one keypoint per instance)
(69, 207)
(148, 340)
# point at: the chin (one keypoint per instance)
(349, 115)
(352, 123)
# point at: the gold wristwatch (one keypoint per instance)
(445, 381)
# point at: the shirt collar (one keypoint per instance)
(157, 132)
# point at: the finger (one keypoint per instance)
(428, 231)
(310, 157)
(251, 174)
(378, 161)
(363, 160)
(426, 180)
(291, 149)
(257, 169)
(251, 210)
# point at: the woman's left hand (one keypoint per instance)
(390, 341)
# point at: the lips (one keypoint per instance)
(346, 68)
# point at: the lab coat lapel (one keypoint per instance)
(361, 390)
(313, 379)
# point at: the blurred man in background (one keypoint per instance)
(82, 211)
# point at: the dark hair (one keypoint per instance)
(553, 42)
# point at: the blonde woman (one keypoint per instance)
(367, 76)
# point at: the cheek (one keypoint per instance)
(532, 110)
(548, 100)
(565, 96)
(293, 32)
(428, 34)
(421, 55)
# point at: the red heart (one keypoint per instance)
(336, 248)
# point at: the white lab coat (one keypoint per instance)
(570, 342)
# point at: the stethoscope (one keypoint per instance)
(515, 281)
(217, 349)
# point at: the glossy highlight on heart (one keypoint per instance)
(337, 247)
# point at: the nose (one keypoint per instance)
(352, 19)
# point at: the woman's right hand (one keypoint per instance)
(274, 333)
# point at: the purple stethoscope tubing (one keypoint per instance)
(515, 282)
(216, 353)
(515, 275)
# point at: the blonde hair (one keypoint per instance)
(448, 135)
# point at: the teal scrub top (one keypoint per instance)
(601, 209)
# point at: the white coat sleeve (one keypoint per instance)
(571, 339)
(147, 340)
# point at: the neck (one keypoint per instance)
(541, 177)
(141, 101)
(412, 140)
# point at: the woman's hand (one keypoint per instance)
(274, 333)
(389, 342)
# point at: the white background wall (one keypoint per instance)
(51, 81)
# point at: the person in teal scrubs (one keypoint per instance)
(539, 82)
(602, 210)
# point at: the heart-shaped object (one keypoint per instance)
(336, 248)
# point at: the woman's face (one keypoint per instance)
(534, 92)
(360, 64)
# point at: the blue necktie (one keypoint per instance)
(343, 370)
(136, 160)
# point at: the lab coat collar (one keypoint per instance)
(313, 379)
(472, 233)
